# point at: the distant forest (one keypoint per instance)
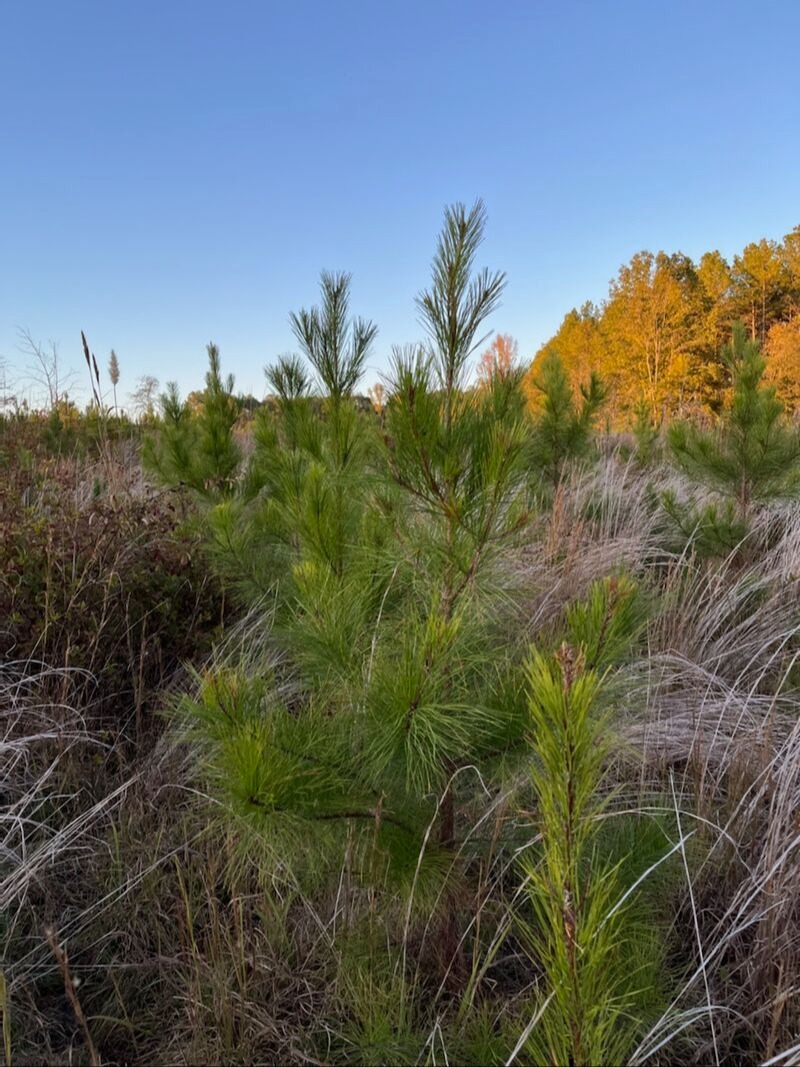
(658, 336)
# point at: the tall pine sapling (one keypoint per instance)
(753, 455)
(198, 449)
(562, 429)
(458, 456)
(600, 961)
(383, 548)
(336, 345)
(220, 454)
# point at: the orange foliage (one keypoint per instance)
(659, 334)
(783, 360)
(499, 358)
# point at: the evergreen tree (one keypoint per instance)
(336, 345)
(198, 449)
(594, 937)
(379, 548)
(562, 430)
(301, 504)
(753, 455)
(459, 457)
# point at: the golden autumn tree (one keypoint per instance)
(498, 359)
(714, 323)
(579, 345)
(658, 339)
(791, 260)
(714, 275)
(783, 360)
(650, 326)
(758, 273)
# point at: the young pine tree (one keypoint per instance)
(647, 436)
(381, 550)
(599, 955)
(301, 507)
(459, 458)
(198, 449)
(562, 429)
(753, 455)
(336, 345)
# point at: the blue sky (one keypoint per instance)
(176, 172)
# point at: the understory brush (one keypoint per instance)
(108, 585)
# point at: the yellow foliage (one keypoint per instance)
(658, 337)
(783, 360)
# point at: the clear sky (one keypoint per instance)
(179, 171)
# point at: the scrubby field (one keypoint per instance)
(458, 731)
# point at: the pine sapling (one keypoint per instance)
(562, 429)
(198, 449)
(598, 971)
(753, 455)
(646, 435)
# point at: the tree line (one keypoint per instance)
(659, 335)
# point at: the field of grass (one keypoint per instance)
(458, 731)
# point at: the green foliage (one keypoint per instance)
(198, 449)
(753, 456)
(647, 436)
(291, 781)
(459, 299)
(380, 1023)
(605, 625)
(562, 430)
(600, 965)
(336, 346)
(300, 502)
(289, 379)
(458, 456)
(713, 530)
(487, 1035)
(300, 509)
(378, 548)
